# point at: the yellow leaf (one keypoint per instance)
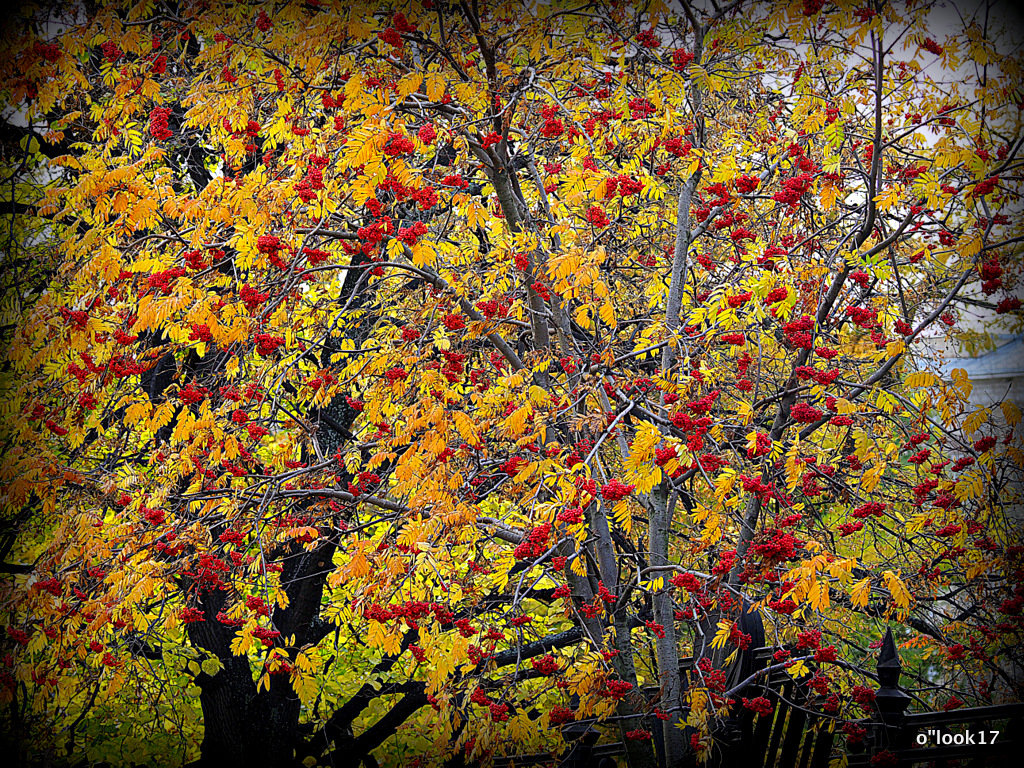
(860, 592)
(359, 566)
(423, 255)
(886, 401)
(726, 169)
(921, 379)
(305, 686)
(183, 428)
(410, 84)
(794, 467)
(818, 596)
(392, 644)
(623, 516)
(962, 382)
(798, 670)
(241, 644)
(435, 86)
(828, 195)
(1010, 412)
(917, 523)
(607, 314)
(162, 416)
(395, 250)
(364, 145)
(722, 636)
(900, 594)
(516, 421)
(974, 421)
(844, 406)
(889, 197)
(972, 247)
(466, 427)
(303, 662)
(745, 411)
(376, 636)
(135, 413)
(647, 437)
(970, 486)
(872, 477)
(538, 396)
(841, 569)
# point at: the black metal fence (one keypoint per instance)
(793, 735)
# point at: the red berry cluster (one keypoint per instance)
(397, 373)
(159, 128)
(200, 332)
(190, 615)
(847, 529)
(152, 516)
(804, 413)
(546, 665)
(454, 321)
(252, 298)
(572, 516)
(616, 689)
(597, 217)
(192, 394)
(267, 343)
(398, 144)
(161, 281)
(624, 185)
(640, 108)
(793, 189)
(111, 51)
(269, 244)
(985, 444)
(411, 235)
(534, 543)
(809, 640)
(864, 317)
(490, 139)
(265, 635)
(760, 705)
(616, 490)
(762, 445)
(870, 509)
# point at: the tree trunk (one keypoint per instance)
(639, 754)
(666, 648)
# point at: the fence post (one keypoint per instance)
(890, 700)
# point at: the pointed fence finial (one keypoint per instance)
(889, 666)
(890, 698)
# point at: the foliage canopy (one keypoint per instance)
(417, 379)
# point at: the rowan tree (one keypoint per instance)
(426, 381)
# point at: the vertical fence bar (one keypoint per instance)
(763, 729)
(782, 710)
(794, 733)
(808, 745)
(823, 747)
